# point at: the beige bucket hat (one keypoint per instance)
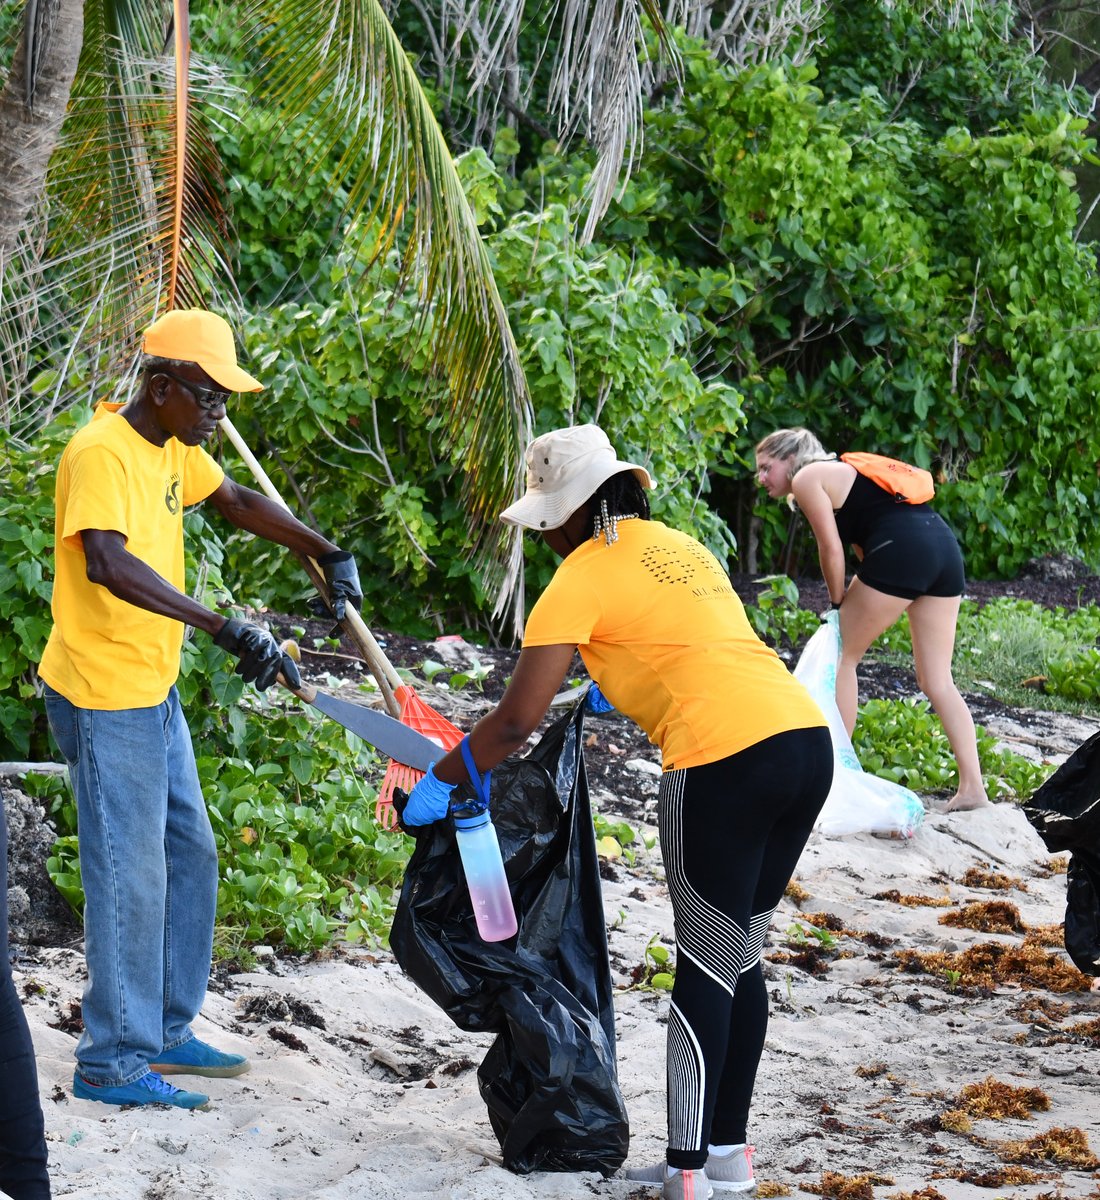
(564, 468)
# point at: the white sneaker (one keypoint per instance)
(654, 1174)
(732, 1172)
(687, 1185)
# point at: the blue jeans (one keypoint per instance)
(150, 873)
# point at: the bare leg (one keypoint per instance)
(864, 615)
(932, 621)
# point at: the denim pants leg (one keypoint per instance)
(191, 901)
(150, 875)
(22, 1135)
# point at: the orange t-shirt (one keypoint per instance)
(665, 636)
(103, 652)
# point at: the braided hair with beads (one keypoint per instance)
(620, 498)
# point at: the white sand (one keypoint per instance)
(383, 1102)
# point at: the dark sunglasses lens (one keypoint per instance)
(208, 399)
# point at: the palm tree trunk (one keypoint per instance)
(28, 133)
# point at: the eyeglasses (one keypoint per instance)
(208, 399)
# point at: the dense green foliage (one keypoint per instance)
(1022, 653)
(26, 584)
(878, 244)
(891, 277)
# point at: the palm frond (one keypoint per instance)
(339, 65)
(597, 87)
(597, 83)
(136, 218)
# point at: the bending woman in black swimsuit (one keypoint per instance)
(909, 562)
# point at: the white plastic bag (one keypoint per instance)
(857, 802)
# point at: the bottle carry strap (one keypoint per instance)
(480, 782)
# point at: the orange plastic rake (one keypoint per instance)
(399, 697)
(424, 719)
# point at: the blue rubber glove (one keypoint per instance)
(595, 701)
(429, 801)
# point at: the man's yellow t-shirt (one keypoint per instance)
(665, 636)
(103, 652)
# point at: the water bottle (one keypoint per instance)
(481, 860)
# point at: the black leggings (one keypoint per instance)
(22, 1140)
(731, 835)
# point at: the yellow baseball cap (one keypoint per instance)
(195, 335)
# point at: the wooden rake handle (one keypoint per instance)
(353, 624)
(304, 691)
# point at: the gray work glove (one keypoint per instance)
(261, 658)
(342, 577)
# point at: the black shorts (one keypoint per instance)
(913, 553)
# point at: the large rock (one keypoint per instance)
(37, 913)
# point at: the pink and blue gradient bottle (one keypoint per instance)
(481, 859)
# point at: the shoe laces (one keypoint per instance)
(155, 1083)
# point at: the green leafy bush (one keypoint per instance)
(776, 616)
(26, 582)
(903, 741)
(1076, 678)
(888, 254)
(1009, 641)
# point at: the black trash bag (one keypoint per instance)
(549, 1080)
(1065, 812)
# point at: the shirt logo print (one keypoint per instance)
(172, 495)
(683, 565)
(667, 566)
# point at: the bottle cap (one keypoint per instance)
(470, 816)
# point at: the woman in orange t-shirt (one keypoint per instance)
(747, 764)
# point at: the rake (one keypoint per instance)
(400, 698)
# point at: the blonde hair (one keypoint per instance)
(799, 445)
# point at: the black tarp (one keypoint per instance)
(549, 1079)
(1065, 812)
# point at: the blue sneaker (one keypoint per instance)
(149, 1089)
(197, 1058)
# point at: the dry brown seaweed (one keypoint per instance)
(835, 1186)
(999, 1101)
(896, 897)
(986, 916)
(992, 881)
(991, 964)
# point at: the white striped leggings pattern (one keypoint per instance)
(731, 833)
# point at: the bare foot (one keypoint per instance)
(960, 803)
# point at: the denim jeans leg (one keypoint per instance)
(119, 769)
(192, 864)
